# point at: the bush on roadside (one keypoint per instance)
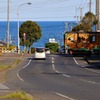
(53, 47)
(17, 95)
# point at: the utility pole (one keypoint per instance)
(28, 3)
(76, 17)
(81, 13)
(98, 14)
(90, 5)
(8, 25)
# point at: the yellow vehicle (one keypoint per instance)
(81, 42)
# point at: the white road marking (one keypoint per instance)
(83, 66)
(19, 76)
(86, 69)
(53, 66)
(57, 71)
(21, 69)
(52, 58)
(92, 70)
(88, 81)
(65, 75)
(2, 86)
(75, 61)
(64, 96)
(52, 62)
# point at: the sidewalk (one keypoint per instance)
(10, 59)
(93, 60)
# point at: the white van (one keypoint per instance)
(40, 53)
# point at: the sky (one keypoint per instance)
(44, 10)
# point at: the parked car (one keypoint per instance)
(47, 50)
(40, 53)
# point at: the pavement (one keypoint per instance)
(11, 58)
(93, 60)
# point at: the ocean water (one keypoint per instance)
(50, 29)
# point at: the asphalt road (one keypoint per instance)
(58, 77)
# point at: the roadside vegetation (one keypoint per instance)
(54, 47)
(17, 95)
(87, 23)
(3, 67)
(12, 65)
(29, 33)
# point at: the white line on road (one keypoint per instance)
(52, 58)
(92, 70)
(64, 96)
(57, 71)
(21, 69)
(53, 66)
(88, 81)
(75, 61)
(52, 62)
(2, 86)
(65, 75)
(85, 67)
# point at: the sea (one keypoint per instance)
(50, 30)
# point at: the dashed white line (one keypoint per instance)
(88, 81)
(64, 96)
(52, 62)
(53, 66)
(52, 58)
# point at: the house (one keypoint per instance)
(3, 47)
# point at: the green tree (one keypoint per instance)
(29, 33)
(88, 21)
(53, 47)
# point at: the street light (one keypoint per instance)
(28, 3)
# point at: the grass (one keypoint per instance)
(20, 95)
(17, 95)
(3, 66)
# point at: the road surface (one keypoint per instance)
(59, 77)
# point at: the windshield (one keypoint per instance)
(39, 50)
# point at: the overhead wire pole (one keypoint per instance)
(81, 13)
(90, 5)
(98, 14)
(8, 24)
(76, 16)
